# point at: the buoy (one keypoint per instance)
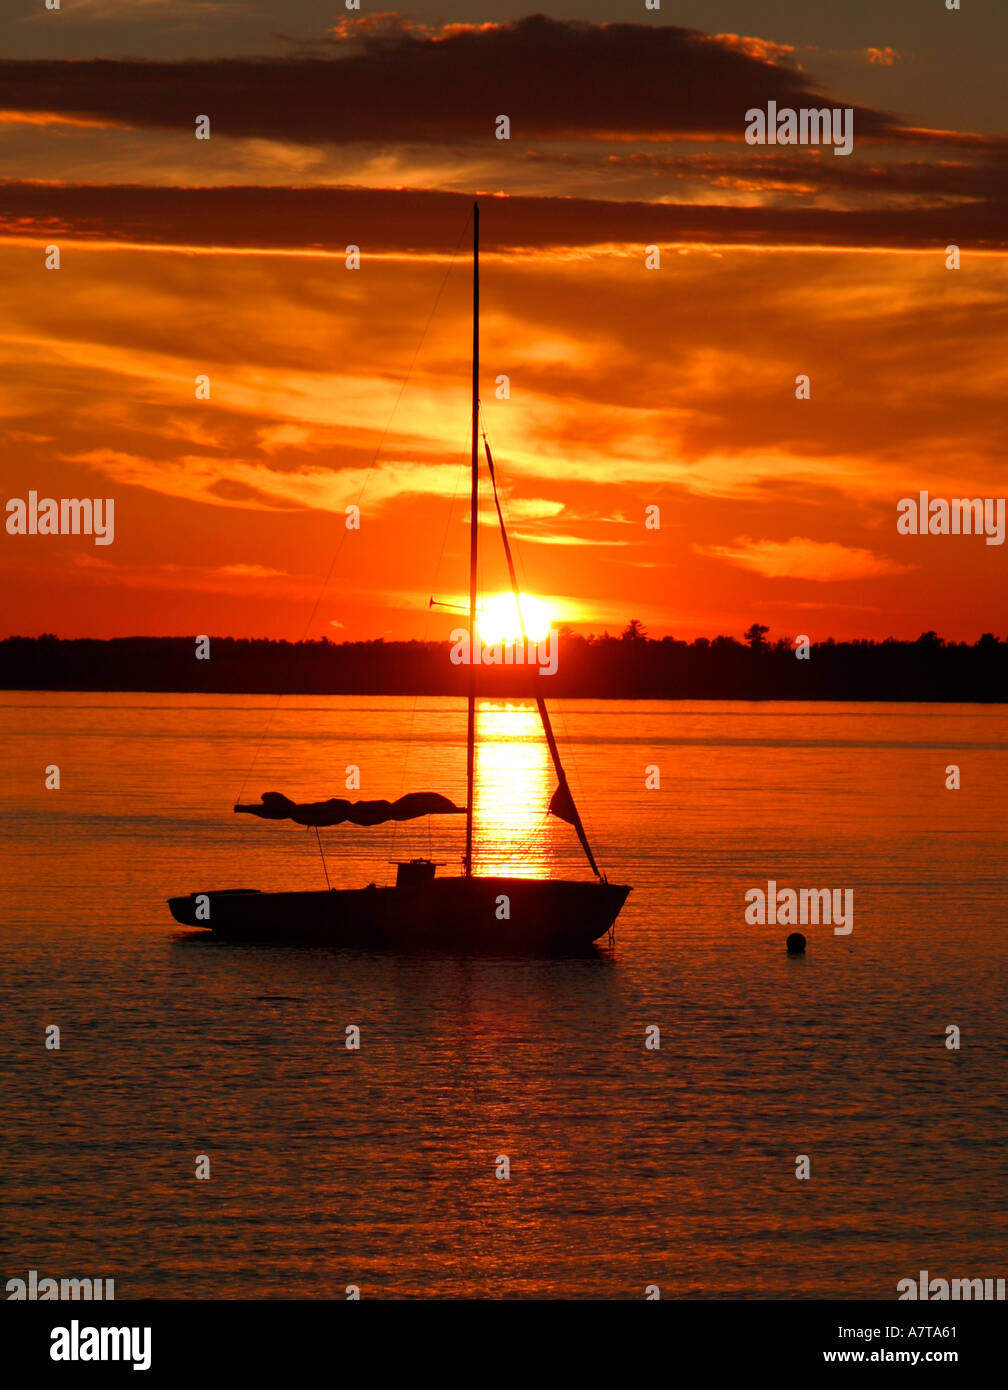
(796, 944)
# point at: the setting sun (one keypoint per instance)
(499, 620)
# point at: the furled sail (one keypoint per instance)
(275, 806)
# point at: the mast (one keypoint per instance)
(473, 532)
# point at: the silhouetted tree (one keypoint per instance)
(631, 666)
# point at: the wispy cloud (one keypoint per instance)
(801, 558)
(883, 57)
(224, 482)
(307, 220)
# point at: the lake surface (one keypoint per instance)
(629, 1167)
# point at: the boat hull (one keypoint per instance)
(446, 913)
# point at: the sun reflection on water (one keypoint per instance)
(514, 783)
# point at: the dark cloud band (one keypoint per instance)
(552, 79)
(402, 220)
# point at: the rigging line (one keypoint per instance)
(574, 818)
(322, 852)
(569, 748)
(533, 834)
(367, 477)
(515, 547)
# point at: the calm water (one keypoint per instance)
(628, 1167)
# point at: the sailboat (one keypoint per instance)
(468, 911)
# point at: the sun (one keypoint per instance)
(498, 620)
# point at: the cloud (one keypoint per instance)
(238, 579)
(763, 50)
(402, 81)
(883, 57)
(58, 118)
(386, 220)
(244, 571)
(801, 558)
(225, 482)
(523, 508)
(273, 438)
(803, 172)
(554, 538)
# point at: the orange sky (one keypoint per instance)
(629, 387)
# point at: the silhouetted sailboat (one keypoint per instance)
(468, 912)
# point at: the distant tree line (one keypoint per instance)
(630, 666)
